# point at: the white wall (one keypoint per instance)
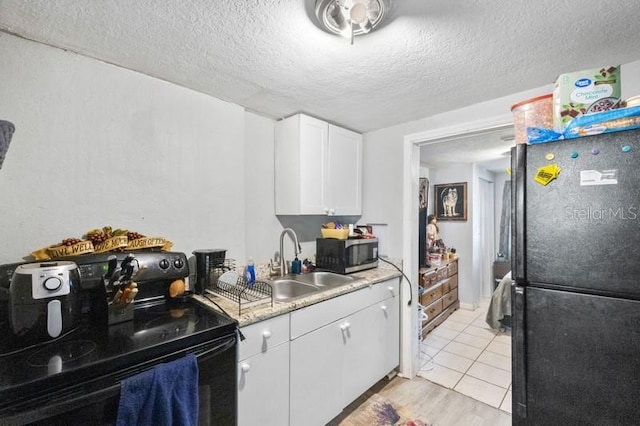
(383, 160)
(96, 145)
(262, 226)
(454, 233)
(100, 145)
(382, 183)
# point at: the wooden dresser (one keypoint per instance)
(440, 296)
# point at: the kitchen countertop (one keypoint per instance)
(263, 311)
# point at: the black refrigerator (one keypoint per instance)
(576, 294)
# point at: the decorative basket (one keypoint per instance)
(339, 234)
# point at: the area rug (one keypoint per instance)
(379, 411)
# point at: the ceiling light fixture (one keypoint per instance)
(350, 18)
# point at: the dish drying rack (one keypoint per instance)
(242, 293)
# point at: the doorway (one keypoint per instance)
(470, 269)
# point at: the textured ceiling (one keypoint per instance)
(490, 149)
(431, 55)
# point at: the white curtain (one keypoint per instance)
(505, 221)
(487, 235)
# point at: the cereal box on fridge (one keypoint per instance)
(585, 92)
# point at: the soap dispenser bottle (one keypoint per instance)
(296, 266)
(250, 272)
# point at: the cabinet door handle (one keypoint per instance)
(345, 326)
(245, 367)
(266, 334)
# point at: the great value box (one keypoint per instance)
(584, 92)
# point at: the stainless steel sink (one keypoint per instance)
(285, 289)
(295, 286)
(324, 279)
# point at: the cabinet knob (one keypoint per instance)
(345, 326)
(266, 334)
(245, 368)
(383, 307)
(332, 212)
(390, 288)
(326, 210)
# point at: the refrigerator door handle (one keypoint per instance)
(518, 353)
(518, 218)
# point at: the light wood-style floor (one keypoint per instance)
(436, 404)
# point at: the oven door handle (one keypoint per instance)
(203, 351)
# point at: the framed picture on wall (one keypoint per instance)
(450, 201)
(423, 192)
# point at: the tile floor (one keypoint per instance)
(470, 358)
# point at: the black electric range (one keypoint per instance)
(78, 374)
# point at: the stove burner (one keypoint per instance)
(61, 353)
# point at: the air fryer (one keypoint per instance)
(43, 300)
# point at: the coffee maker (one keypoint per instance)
(207, 261)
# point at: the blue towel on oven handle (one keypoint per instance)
(165, 395)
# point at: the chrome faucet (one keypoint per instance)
(282, 269)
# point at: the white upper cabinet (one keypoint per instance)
(318, 168)
(344, 176)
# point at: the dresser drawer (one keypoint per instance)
(453, 268)
(431, 295)
(442, 273)
(434, 309)
(445, 287)
(449, 298)
(453, 282)
(428, 279)
(450, 284)
(443, 316)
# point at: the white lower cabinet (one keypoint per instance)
(370, 349)
(336, 362)
(316, 376)
(305, 367)
(263, 373)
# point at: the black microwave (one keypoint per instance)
(346, 256)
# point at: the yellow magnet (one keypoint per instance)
(546, 174)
